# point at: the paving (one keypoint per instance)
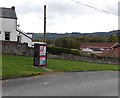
(97, 83)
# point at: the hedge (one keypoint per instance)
(58, 50)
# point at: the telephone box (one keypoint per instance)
(40, 54)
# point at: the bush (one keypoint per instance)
(58, 50)
(54, 50)
(75, 52)
(93, 54)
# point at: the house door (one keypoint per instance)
(18, 38)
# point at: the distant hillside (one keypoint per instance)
(73, 34)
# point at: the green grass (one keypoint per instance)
(19, 65)
(70, 65)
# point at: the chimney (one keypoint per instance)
(13, 8)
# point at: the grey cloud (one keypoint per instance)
(27, 8)
(66, 8)
(55, 9)
(112, 9)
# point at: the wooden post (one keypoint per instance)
(45, 23)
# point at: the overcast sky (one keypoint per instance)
(65, 15)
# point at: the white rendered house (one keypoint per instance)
(8, 27)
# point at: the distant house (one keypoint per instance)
(114, 50)
(96, 47)
(8, 28)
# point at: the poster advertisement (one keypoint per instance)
(42, 55)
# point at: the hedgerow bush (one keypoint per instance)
(75, 52)
(93, 54)
(54, 50)
(58, 50)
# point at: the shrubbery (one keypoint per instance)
(100, 56)
(75, 52)
(58, 50)
(93, 54)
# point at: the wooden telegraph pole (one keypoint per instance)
(45, 23)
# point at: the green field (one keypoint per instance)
(70, 65)
(19, 65)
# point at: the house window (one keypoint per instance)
(7, 35)
(0, 32)
(18, 38)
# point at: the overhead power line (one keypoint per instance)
(93, 7)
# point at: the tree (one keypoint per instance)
(118, 35)
(67, 42)
(82, 38)
(113, 38)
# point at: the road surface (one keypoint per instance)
(101, 83)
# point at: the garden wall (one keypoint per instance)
(87, 58)
(16, 48)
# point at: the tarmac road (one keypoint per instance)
(101, 83)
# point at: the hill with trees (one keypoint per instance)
(73, 34)
(73, 40)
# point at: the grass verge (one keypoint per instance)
(23, 66)
(18, 65)
(70, 65)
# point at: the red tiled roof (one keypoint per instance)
(98, 44)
